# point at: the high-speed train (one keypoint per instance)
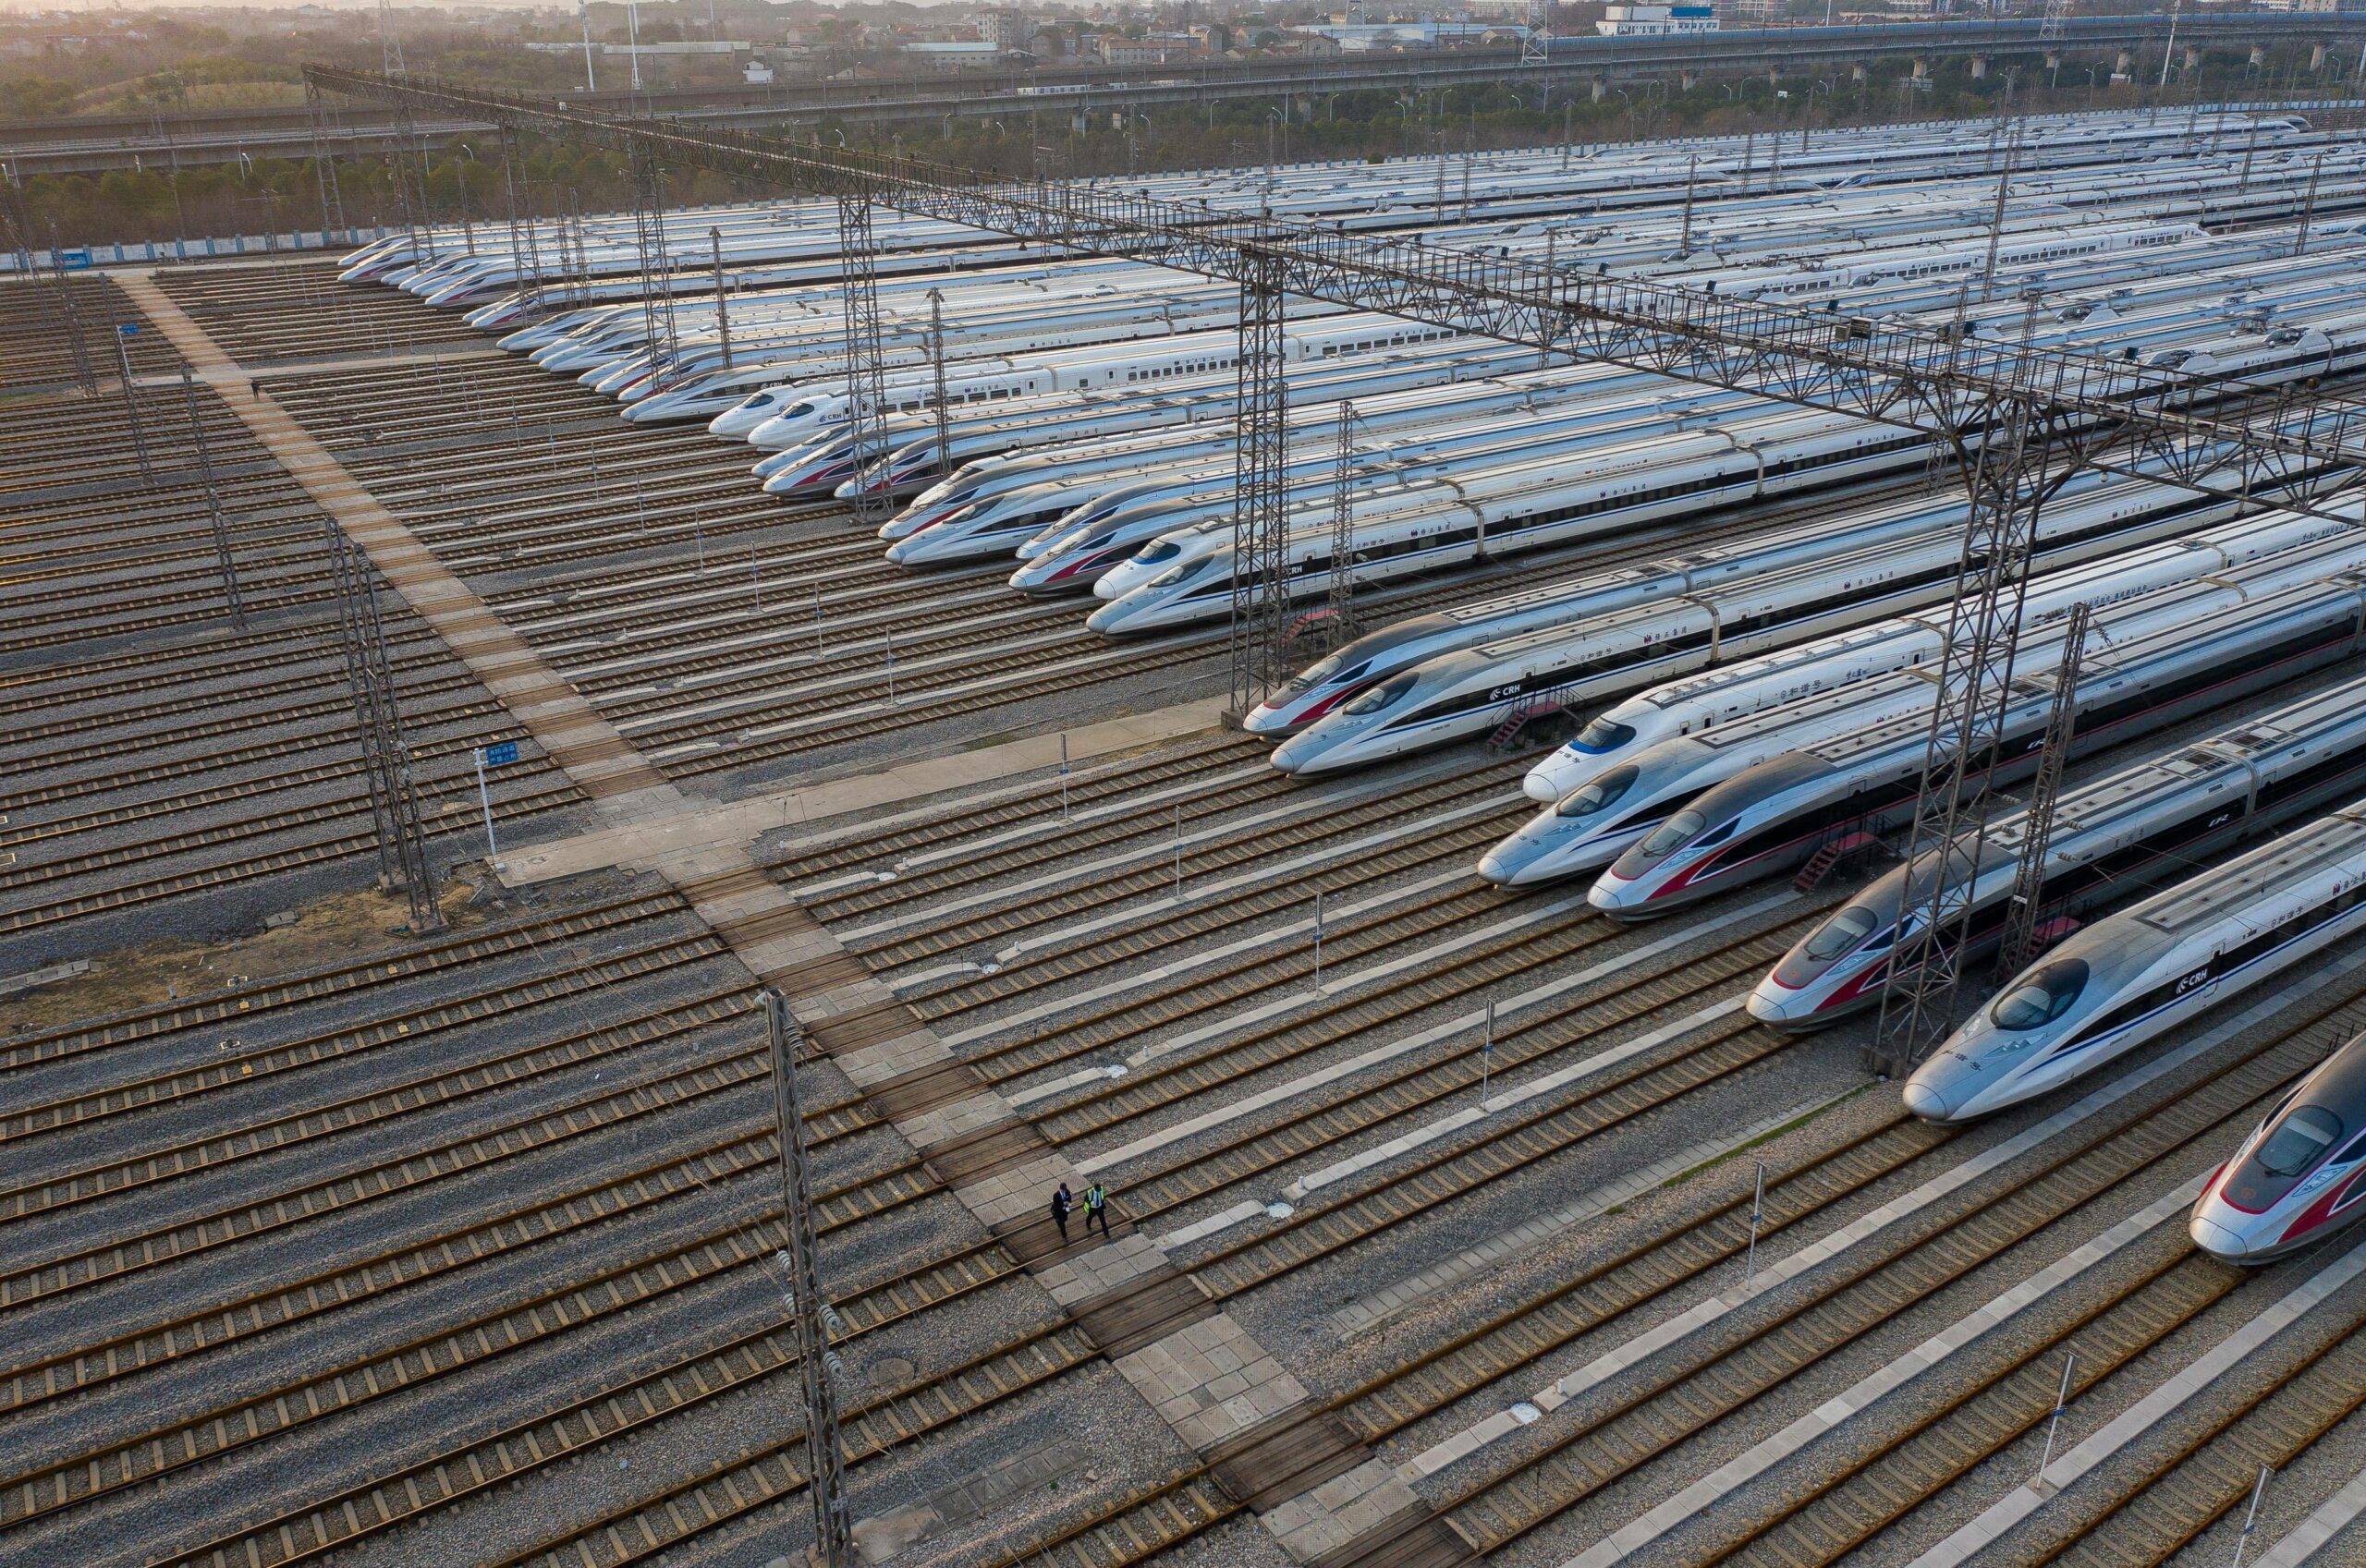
(2112, 840)
(1477, 516)
(1771, 816)
(1656, 751)
(1373, 657)
(1031, 441)
(2124, 979)
(1174, 497)
(1066, 457)
(2089, 505)
(1466, 693)
(2299, 1178)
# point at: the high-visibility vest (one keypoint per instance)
(1095, 1197)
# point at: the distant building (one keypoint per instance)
(1117, 49)
(1352, 37)
(954, 56)
(1644, 20)
(1004, 28)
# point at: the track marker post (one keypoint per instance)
(1486, 1055)
(1178, 850)
(2061, 1398)
(2250, 1516)
(1318, 942)
(1063, 775)
(1757, 1214)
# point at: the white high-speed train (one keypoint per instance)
(1652, 753)
(1180, 579)
(1467, 692)
(1770, 817)
(2301, 1177)
(2112, 839)
(2124, 979)
(1067, 460)
(2090, 503)
(1172, 499)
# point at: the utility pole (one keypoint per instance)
(722, 304)
(1260, 513)
(123, 334)
(810, 1313)
(385, 762)
(222, 557)
(1691, 173)
(2309, 204)
(649, 241)
(1343, 535)
(1996, 217)
(943, 400)
(866, 369)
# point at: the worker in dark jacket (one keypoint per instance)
(1061, 1204)
(1096, 1209)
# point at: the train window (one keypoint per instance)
(1842, 933)
(2294, 1147)
(2044, 996)
(1603, 734)
(1594, 795)
(1673, 832)
(1381, 695)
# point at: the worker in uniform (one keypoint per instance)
(1096, 1209)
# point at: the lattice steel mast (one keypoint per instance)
(866, 367)
(810, 1313)
(937, 364)
(649, 251)
(385, 762)
(1260, 510)
(2014, 466)
(2037, 821)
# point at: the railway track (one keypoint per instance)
(992, 1380)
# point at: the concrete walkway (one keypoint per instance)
(657, 840)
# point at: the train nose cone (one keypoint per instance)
(1295, 753)
(1618, 898)
(1540, 786)
(1497, 867)
(1770, 1004)
(1108, 618)
(1264, 719)
(1923, 1101)
(2217, 1240)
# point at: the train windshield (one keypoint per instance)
(1381, 695)
(1603, 734)
(2294, 1145)
(1673, 832)
(2294, 1149)
(1176, 575)
(1842, 933)
(1592, 797)
(2042, 997)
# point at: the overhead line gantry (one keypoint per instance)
(2018, 420)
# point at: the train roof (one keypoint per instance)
(2266, 871)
